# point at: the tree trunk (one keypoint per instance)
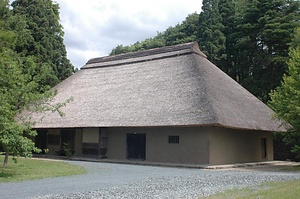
(5, 159)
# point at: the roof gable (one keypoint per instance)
(169, 86)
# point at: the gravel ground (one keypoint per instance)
(105, 180)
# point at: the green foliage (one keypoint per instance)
(181, 33)
(286, 100)
(265, 30)
(119, 50)
(41, 35)
(25, 79)
(4, 8)
(21, 90)
(15, 93)
(227, 53)
(18, 90)
(155, 42)
(67, 150)
(15, 139)
(296, 39)
(211, 37)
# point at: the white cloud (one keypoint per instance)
(92, 28)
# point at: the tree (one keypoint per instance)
(265, 29)
(184, 32)
(211, 37)
(227, 10)
(119, 49)
(285, 100)
(20, 90)
(43, 37)
(14, 93)
(14, 137)
(157, 41)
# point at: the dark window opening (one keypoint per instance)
(41, 140)
(173, 139)
(53, 139)
(68, 138)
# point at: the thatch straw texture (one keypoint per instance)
(169, 86)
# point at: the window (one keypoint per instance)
(173, 139)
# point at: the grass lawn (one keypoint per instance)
(29, 169)
(274, 190)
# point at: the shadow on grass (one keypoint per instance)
(6, 173)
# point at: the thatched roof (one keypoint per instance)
(169, 86)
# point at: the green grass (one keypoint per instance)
(29, 169)
(274, 190)
(291, 168)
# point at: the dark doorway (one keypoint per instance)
(41, 140)
(136, 146)
(264, 148)
(67, 140)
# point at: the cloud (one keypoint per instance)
(92, 28)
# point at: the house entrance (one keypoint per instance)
(41, 140)
(264, 148)
(136, 146)
(67, 140)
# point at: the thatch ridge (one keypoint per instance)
(144, 55)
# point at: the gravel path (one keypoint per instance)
(105, 180)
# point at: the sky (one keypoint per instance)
(94, 27)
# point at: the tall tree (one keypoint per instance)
(211, 37)
(19, 92)
(13, 93)
(285, 108)
(44, 36)
(227, 10)
(20, 88)
(265, 31)
(285, 100)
